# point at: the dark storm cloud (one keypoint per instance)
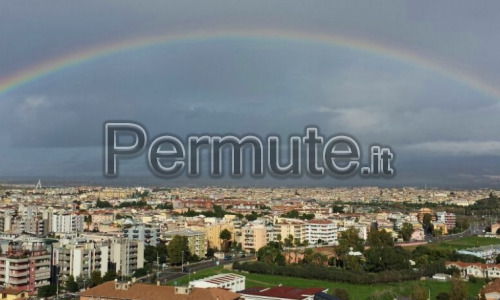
(256, 86)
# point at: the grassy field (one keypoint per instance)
(464, 243)
(379, 291)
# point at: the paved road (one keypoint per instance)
(173, 273)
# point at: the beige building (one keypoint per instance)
(127, 255)
(254, 236)
(287, 227)
(197, 243)
(212, 233)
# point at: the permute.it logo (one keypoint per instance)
(168, 156)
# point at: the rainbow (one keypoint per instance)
(35, 72)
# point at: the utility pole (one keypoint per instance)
(57, 282)
(182, 262)
(158, 266)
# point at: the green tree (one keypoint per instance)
(386, 258)
(407, 231)
(288, 241)
(82, 281)
(427, 223)
(95, 279)
(379, 238)
(225, 236)
(140, 272)
(271, 254)
(176, 247)
(210, 252)
(341, 293)
(103, 204)
(47, 291)
(109, 276)
(458, 289)
(71, 284)
(88, 221)
(348, 240)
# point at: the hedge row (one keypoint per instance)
(337, 274)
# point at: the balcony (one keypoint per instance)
(43, 263)
(42, 275)
(18, 280)
(42, 283)
(18, 266)
(18, 274)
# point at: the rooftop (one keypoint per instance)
(140, 291)
(283, 292)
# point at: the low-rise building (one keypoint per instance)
(475, 269)
(492, 290)
(229, 281)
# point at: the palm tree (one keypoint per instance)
(225, 236)
(289, 243)
(88, 221)
(297, 244)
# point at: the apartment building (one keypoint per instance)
(254, 236)
(287, 227)
(6, 221)
(323, 231)
(212, 228)
(67, 223)
(126, 255)
(449, 219)
(25, 265)
(424, 211)
(147, 234)
(196, 240)
(81, 259)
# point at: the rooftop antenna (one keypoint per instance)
(38, 184)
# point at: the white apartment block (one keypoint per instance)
(324, 230)
(148, 235)
(127, 255)
(67, 223)
(81, 259)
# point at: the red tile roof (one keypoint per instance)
(140, 291)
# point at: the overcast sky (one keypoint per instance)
(443, 128)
